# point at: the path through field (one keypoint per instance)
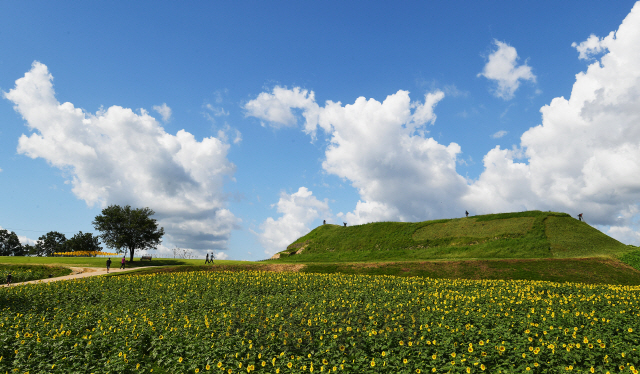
(77, 272)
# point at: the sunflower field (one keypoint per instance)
(244, 322)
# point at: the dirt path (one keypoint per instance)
(77, 272)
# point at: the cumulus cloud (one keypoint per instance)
(164, 111)
(502, 68)
(624, 234)
(276, 107)
(585, 154)
(298, 211)
(499, 134)
(382, 149)
(24, 240)
(117, 156)
(593, 46)
(584, 157)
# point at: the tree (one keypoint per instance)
(83, 242)
(50, 243)
(129, 229)
(29, 250)
(10, 244)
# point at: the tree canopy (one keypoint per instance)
(50, 243)
(83, 242)
(10, 244)
(124, 228)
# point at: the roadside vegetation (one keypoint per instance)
(25, 273)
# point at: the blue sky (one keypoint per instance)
(215, 115)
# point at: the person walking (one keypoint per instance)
(122, 262)
(466, 213)
(206, 260)
(580, 217)
(9, 279)
(212, 257)
(108, 264)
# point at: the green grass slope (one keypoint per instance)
(523, 235)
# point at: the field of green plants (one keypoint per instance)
(237, 322)
(24, 273)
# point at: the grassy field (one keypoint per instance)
(532, 234)
(101, 261)
(531, 245)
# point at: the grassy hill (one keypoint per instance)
(523, 235)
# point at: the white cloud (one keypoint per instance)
(583, 158)
(116, 156)
(216, 110)
(275, 107)
(593, 46)
(298, 211)
(585, 155)
(164, 111)
(624, 234)
(24, 240)
(381, 148)
(502, 68)
(499, 134)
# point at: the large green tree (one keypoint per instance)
(10, 244)
(124, 228)
(50, 243)
(83, 242)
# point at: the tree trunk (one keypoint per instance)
(131, 250)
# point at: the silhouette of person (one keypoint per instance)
(466, 213)
(108, 264)
(206, 260)
(580, 217)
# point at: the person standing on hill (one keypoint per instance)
(206, 260)
(108, 264)
(122, 262)
(466, 213)
(580, 217)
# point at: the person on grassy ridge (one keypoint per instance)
(206, 260)
(212, 257)
(122, 262)
(108, 264)
(466, 213)
(580, 217)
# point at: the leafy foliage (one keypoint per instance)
(632, 259)
(25, 273)
(10, 244)
(292, 322)
(83, 242)
(129, 229)
(50, 243)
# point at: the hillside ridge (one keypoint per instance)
(528, 234)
